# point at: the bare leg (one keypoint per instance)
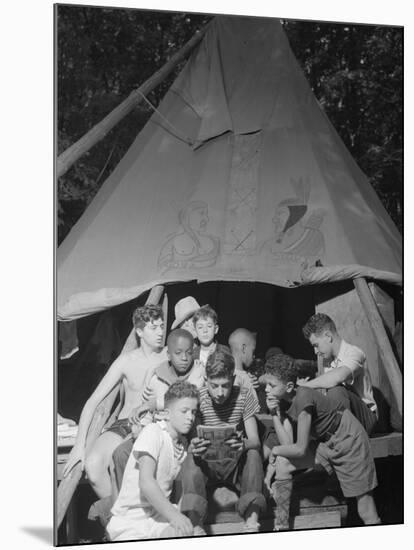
(97, 463)
(282, 492)
(367, 510)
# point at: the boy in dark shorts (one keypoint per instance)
(222, 404)
(342, 443)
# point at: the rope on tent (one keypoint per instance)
(176, 132)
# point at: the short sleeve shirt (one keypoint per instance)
(354, 358)
(241, 405)
(322, 410)
(154, 440)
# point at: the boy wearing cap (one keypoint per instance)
(184, 311)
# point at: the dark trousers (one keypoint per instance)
(246, 478)
(349, 400)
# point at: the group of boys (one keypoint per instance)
(154, 445)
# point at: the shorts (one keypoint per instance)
(121, 427)
(348, 454)
(136, 524)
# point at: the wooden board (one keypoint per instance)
(387, 445)
(317, 521)
(224, 528)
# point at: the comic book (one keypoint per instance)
(217, 435)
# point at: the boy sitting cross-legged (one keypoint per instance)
(180, 366)
(143, 509)
(223, 403)
(342, 448)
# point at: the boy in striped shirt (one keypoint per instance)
(222, 403)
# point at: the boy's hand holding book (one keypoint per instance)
(199, 446)
(236, 441)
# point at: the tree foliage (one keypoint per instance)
(103, 54)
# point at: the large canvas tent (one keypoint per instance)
(240, 177)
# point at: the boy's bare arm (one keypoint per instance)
(330, 379)
(252, 440)
(152, 492)
(298, 449)
(105, 386)
(283, 429)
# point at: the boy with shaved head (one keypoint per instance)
(242, 344)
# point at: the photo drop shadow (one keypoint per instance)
(44, 534)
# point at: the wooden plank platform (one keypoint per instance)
(317, 520)
(387, 445)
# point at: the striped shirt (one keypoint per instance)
(241, 405)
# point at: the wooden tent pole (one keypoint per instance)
(69, 483)
(392, 369)
(165, 313)
(99, 131)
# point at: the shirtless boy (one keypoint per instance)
(131, 368)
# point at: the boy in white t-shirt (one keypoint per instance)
(347, 380)
(143, 509)
(180, 366)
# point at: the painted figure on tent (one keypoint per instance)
(296, 229)
(190, 246)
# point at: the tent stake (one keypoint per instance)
(99, 131)
(68, 484)
(392, 369)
